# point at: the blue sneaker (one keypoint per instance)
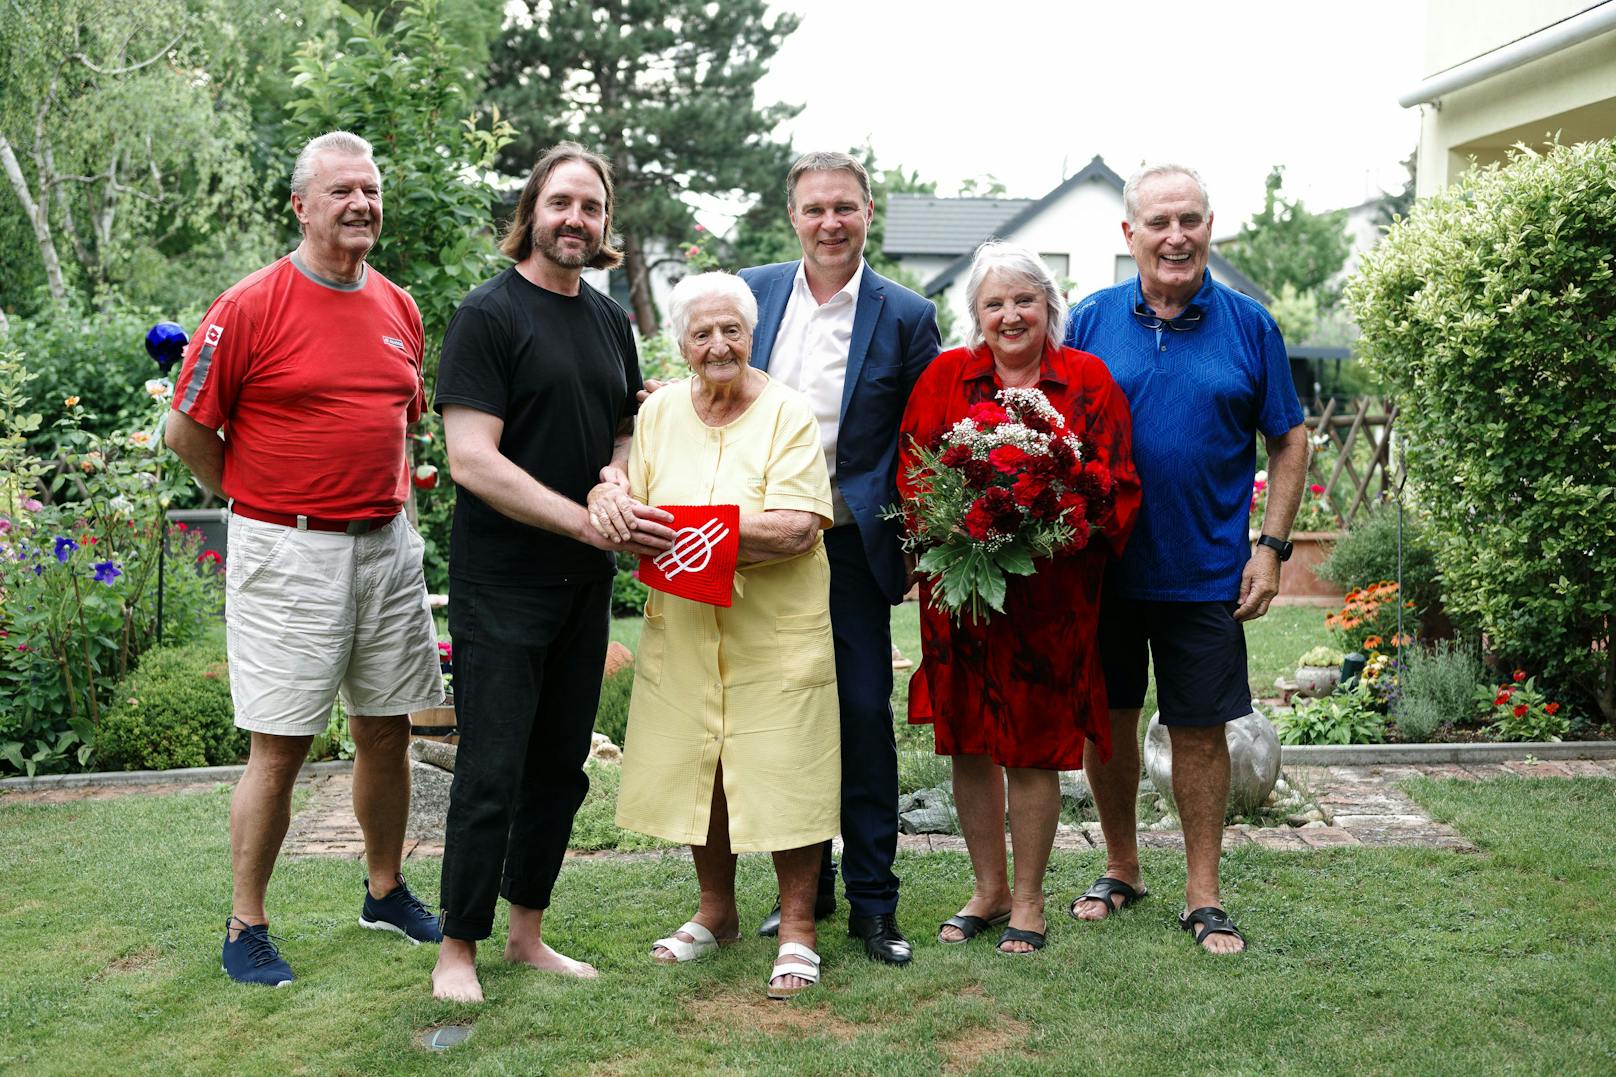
(400, 911)
(251, 958)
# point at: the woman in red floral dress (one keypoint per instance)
(1016, 695)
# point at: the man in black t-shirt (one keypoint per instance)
(536, 386)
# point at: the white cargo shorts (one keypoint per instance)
(309, 614)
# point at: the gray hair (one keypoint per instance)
(343, 142)
(825, 161)
(1017, 263)
(703, 286)
(1130, 192)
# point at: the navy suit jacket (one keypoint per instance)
(894, 338)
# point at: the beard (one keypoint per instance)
(548, 243)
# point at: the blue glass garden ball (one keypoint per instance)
(165, 343)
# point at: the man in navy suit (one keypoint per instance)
(853, 342)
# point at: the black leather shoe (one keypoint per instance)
(883, 940)
(824, 908)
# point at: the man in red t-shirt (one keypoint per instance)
(311, 368)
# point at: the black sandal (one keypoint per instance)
(1214, 921)
(968, 926)
(1101, 891)
(1015, 934)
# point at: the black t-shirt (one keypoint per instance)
(561, 371)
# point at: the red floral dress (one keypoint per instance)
(1025, 687)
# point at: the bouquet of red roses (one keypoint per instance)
(1002, 487)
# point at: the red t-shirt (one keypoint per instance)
(313, 384)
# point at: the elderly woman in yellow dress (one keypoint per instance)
(733, 741)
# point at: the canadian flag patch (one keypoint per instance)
(700, 565)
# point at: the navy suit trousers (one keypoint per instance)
(860, 618)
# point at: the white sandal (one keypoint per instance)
(807, 968)
(705, 942)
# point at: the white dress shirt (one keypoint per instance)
(810, 355)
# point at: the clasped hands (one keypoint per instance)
(621, 523)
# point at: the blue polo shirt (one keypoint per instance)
(1200, 388)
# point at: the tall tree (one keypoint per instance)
(663, 89)
(111, 138)
(1286, 244)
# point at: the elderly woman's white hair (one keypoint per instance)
(1020, 264)
(704, 286)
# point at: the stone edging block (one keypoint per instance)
(156, 777)
(1341, 755)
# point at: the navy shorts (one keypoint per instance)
(1199, 651)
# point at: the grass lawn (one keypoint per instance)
(1362, 960)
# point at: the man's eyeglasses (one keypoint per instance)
(1181, 324)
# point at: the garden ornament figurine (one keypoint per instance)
(1205, 371)
(854, 343)
(314, 365)
(537, 387)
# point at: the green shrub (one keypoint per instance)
(628, 593)
(1520, 710)
(1320, 656)
(1368, 552)
(78, 575)
(1491, 310)
(173, 711)
(99, 357)
(1349, 716)
(1438, 685)
(611, 717)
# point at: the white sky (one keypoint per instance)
(1029, 90)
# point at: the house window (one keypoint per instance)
(1126, 269)
(1059, 265)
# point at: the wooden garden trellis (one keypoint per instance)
(1369, 420)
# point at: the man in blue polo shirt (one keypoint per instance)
(1204, 370)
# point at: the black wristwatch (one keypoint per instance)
(1279, 546)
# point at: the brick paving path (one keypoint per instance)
(1362, 804)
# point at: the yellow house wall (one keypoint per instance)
(1572, 92)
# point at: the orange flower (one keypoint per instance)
(1371, 642)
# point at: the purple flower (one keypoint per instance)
(106, 572)
(31, 505)
(64, 547)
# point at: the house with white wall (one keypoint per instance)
(1498, 72)
(1075, 228)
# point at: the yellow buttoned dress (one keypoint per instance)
(751, 686)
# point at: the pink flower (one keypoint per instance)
(1315, 489)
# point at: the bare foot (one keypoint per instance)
(539, 955)
(1095, 909)
(454, 978)
(989, 908)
